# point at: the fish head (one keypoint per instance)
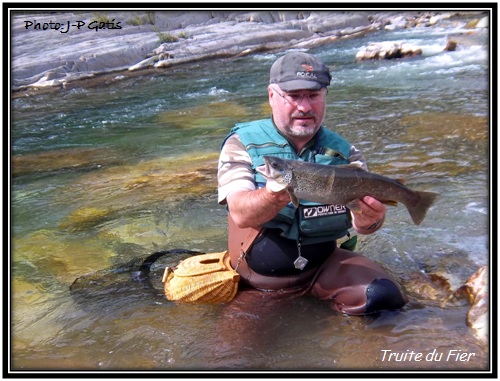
(276, 169)
(277, 173)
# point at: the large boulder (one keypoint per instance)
(387, 50)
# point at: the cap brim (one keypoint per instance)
(300, 84)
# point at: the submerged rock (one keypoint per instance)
(51, 251)
(434, 287)
(83, 158)
(110, 191)
(216, 114)
(85, 218)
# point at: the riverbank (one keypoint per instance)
(65, 49)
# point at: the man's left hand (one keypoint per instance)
(369, 215)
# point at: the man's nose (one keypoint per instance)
(304, 103)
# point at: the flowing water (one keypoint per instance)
(104, 175)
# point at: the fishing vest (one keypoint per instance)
(311, 222)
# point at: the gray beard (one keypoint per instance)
(302, 133)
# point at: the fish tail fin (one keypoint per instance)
(419, 210)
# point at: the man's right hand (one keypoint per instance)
(252, 208)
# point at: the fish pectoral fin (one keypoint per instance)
(295, 200)
(354, 206)
(389, 202)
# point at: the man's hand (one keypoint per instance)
(251, 208)
(369, 215)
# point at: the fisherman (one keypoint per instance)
(276, 247)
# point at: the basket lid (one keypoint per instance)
(202, 264)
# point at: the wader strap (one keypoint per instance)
(240, 241)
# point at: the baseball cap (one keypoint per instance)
(300, 71)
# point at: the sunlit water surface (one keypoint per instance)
(105, 175)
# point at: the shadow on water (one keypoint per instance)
(132, 281)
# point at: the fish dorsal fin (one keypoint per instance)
(401, 181)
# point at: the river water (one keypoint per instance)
(104, 175)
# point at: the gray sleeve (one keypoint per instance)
(356, 157)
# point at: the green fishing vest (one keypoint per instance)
(312, 222)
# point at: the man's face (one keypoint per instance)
(298, 114)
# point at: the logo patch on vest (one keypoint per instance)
(324, 210)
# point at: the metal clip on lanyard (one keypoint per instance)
(300, 262)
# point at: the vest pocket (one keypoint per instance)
(324, 220)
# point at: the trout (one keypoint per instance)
(342, 184)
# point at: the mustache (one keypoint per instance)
(300, 114)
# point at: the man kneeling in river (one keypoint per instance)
(277, 247)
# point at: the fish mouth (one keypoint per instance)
(263, 169)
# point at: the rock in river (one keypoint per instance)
(476, 292)
(387, 50)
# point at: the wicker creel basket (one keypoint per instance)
(205, 278)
